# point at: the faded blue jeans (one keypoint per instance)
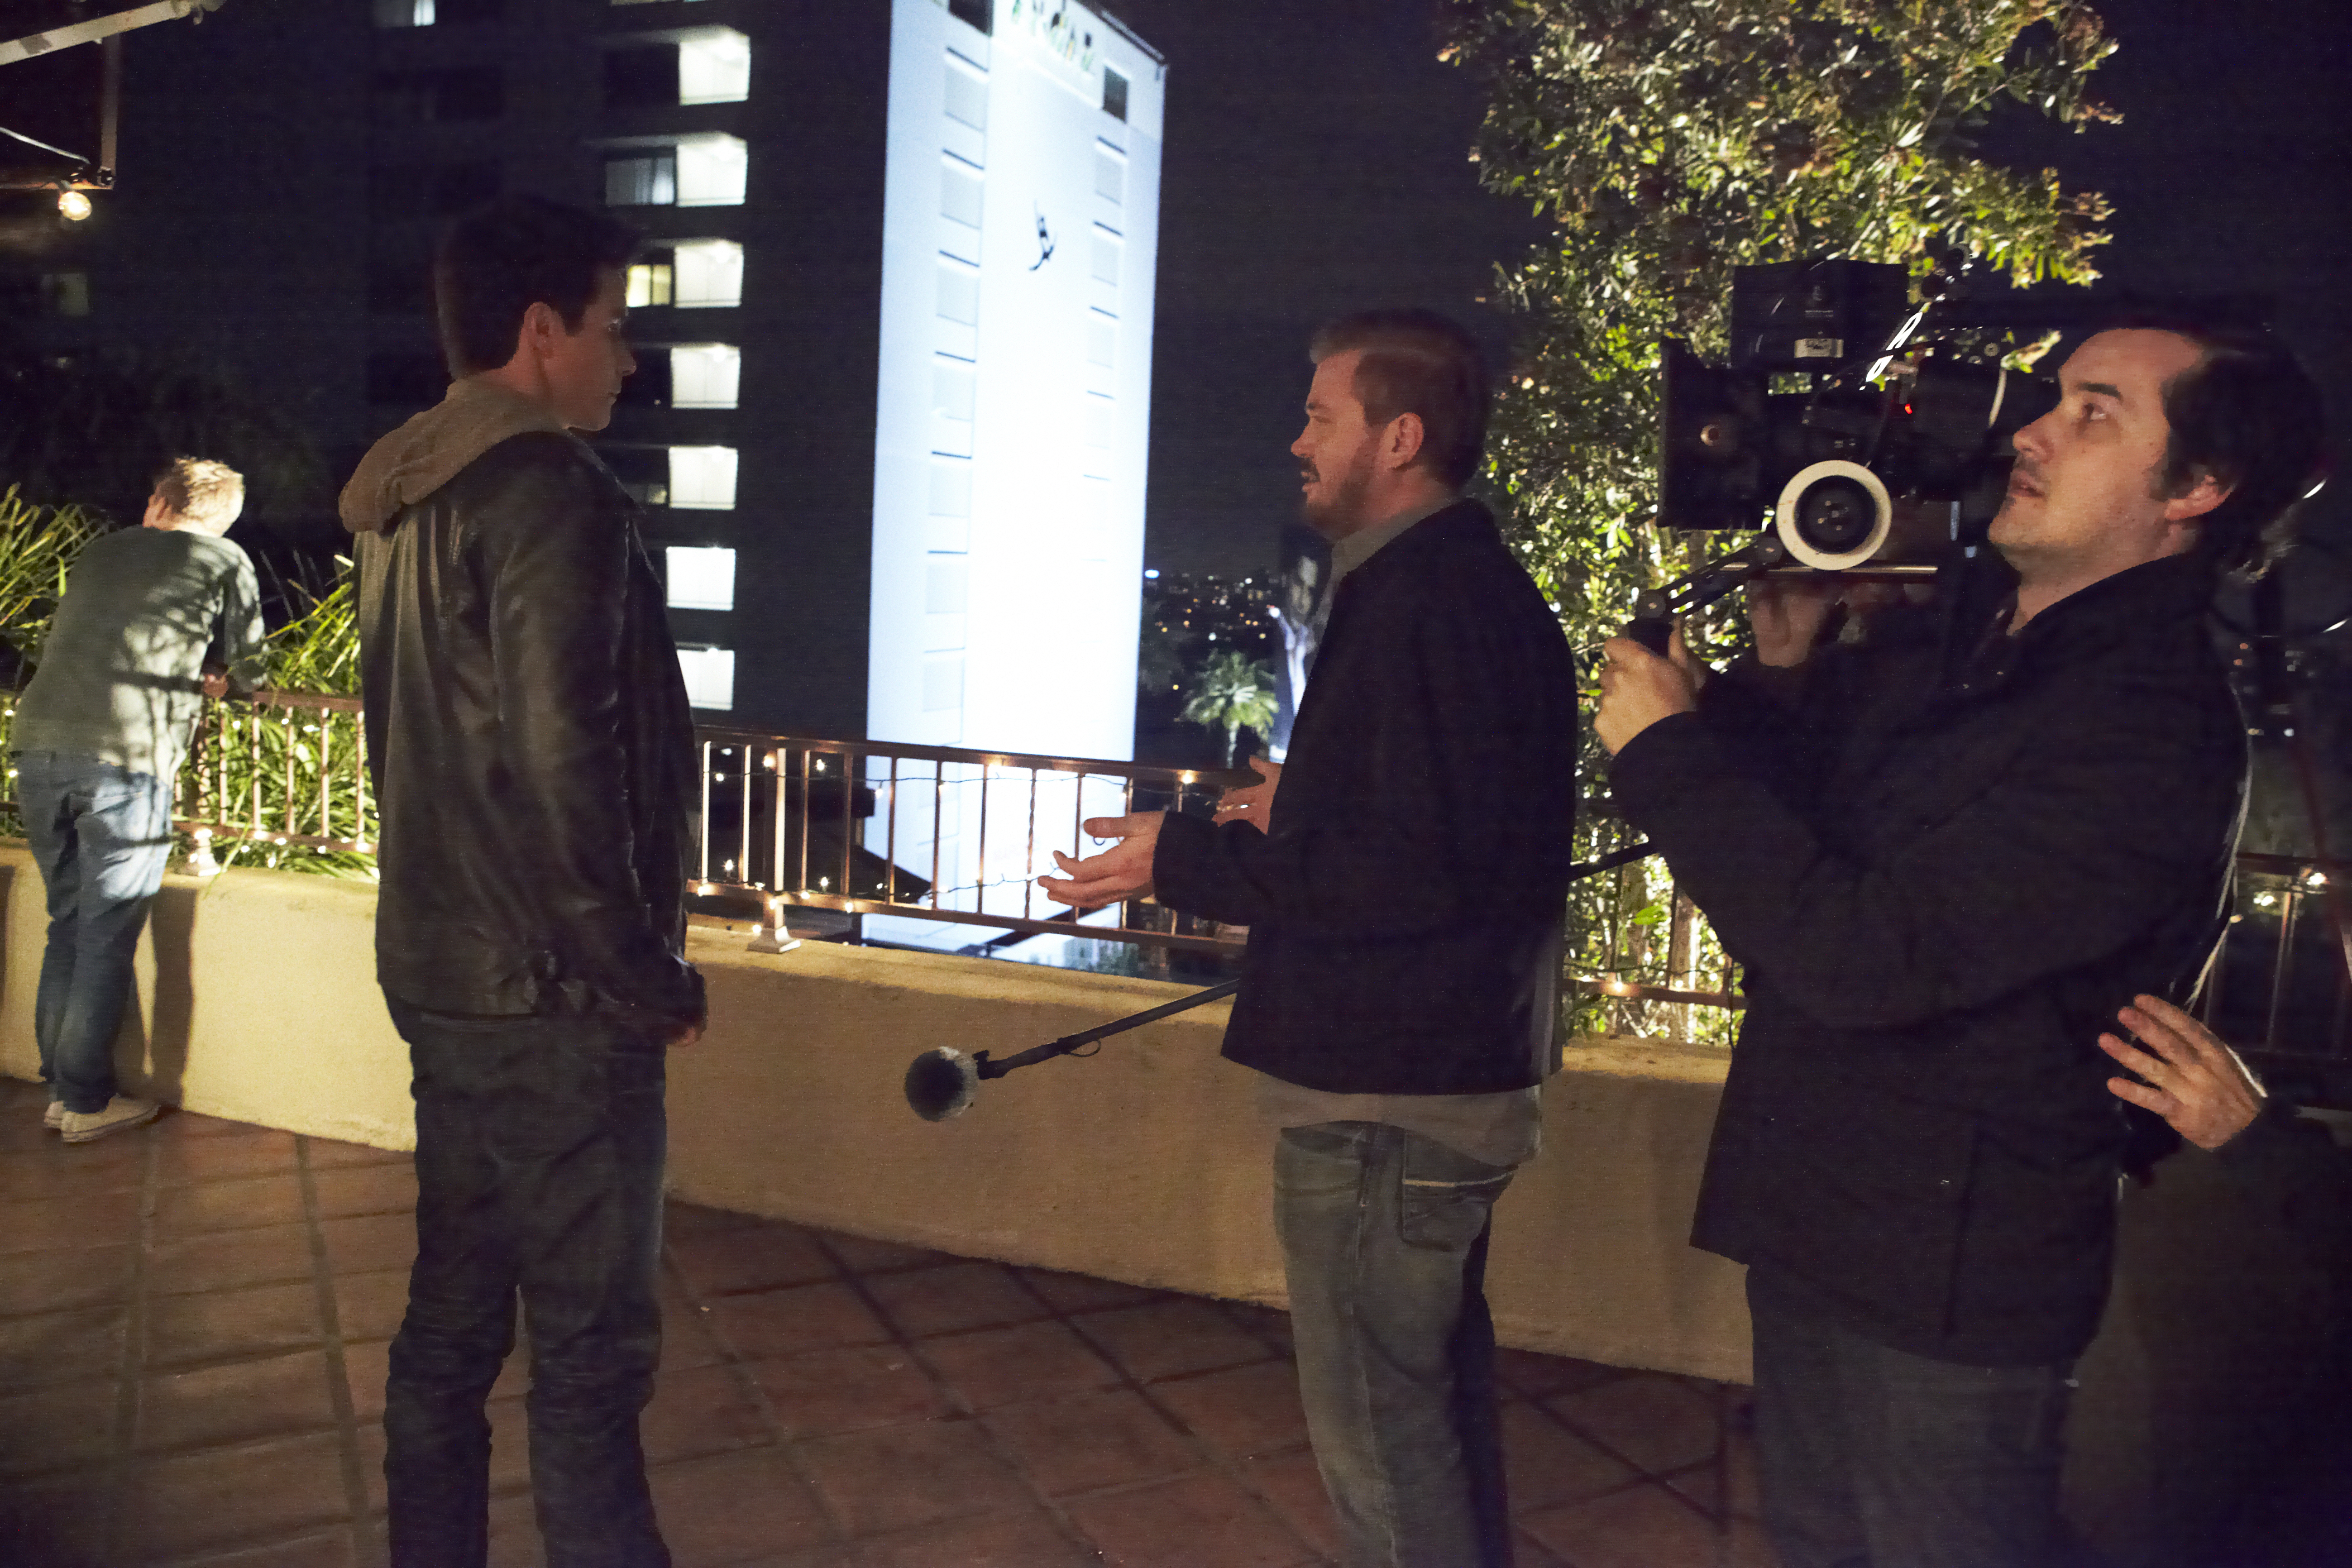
(101, 836)
(1869, 1457)
(1384, 1239)
(538, 1176)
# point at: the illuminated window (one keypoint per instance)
(709, 676)
(711, 171)
(649, 284)
(704, 375)
(436, 12)
(1102, 341)
(1106, 247)
(701, 577)
(702, 479)
(1110, 175)
(714, 66)
(644, 471)
(710, 272)
(649, 180)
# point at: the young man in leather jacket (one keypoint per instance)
(530, 746)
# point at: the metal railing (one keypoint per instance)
(929, 833)
(285, 768)
(2280, 986)
(874, 832)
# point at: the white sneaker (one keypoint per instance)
(121, 1112)
(55, 1116)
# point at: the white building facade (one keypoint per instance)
(1019, 236)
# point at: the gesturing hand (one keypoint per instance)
(1252, 804)
(1638, 688)
(2198, 1085)
(1122, 871)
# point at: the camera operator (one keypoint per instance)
(1945, 854)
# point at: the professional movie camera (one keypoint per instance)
(1861, 433)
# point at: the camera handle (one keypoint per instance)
(1655, 610)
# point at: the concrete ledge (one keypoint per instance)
(1144, 1163)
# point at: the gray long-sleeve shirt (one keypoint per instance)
(121, 675)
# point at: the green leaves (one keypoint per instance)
(37, 546)
(1673, 141)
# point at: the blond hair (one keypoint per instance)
(201, 491)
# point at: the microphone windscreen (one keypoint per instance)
(941, 1083)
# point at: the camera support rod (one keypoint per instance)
(1655, 611)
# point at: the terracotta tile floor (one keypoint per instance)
(194, 1320)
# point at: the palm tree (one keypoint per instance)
(1234, 691)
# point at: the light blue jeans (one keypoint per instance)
(101, 836)
(1385, 1239)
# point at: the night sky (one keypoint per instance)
(1316, 162)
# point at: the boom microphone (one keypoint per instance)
(943, 1083)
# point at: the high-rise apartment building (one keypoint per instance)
(895, 323)
(893, 318)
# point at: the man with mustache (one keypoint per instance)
(1403, 874)
(1947, 852)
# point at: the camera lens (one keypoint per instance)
(1836, 515)
(1833, 514)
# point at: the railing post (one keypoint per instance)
(774, 935)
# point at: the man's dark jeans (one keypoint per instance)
(539, 1171)
(1872, 1459)
(101, 836)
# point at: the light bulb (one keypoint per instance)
(73, 206)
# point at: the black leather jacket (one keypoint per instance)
(530, 744)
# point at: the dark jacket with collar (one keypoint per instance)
(1944, 866)
(529, 743)
(1404, 902)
